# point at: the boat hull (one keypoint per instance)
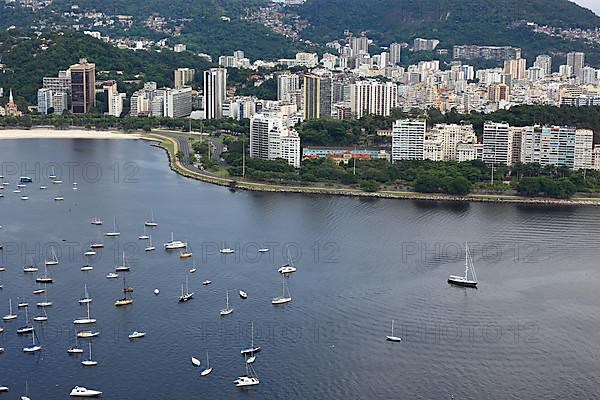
(462, 282)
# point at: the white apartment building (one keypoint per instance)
(497, 143)
(371, 97)
(287, 85)
(178, 102)
(215, 91)
(113, 100)
(450, 136)
(44, 100)
(407, 139)
(271, 140)
(584, 142)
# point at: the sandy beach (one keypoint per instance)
(49, 133)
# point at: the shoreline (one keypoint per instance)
(177, 167)
(52, 133)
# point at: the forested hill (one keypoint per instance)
(485, 22)
(27, 62)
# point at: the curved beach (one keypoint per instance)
(50, 133)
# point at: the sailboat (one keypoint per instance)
(289, 267)
(96, 221)
(44, 303)
(53, 260)
(150, 247)
(30, 268)
(193, 269)
(186, 253)
(44, 278)
(86, 297)
(41, 318)
(26, 395)
(250, 379)
(285, 294)
(89, 362)
(33, 347)
(208, 369)
(187, 295)
(252, 349)
(144, 236)
(85, 320)
(115, 231)
(39, 291)
(52, 174)
(10, 316)
(75, 349)
(123, 267)
(391, 337)
(125, 301)
(152, 222)
(227, 310)
(464, 280)
(25, 328)
(175, 244)
(226, 250)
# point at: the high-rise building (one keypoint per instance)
(450, 136)
(359, 45)
(395, 53)
(44, 101)
(545, 63)
(140, 103)
(517, 68)
(271, 140)
(576, 60)
(584, 145)
(373, 97)
(83, 86)
(287, 85)
(420, 44)
(497, 144)
(183, 77)
(215, 92)
(408, 136)
(589, 76)
(113, 100)
(317, 96)
(178, 102)
(60, 83)
(498, 92)
(59, 102)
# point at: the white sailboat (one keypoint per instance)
(89, 362)
(26, 395)
(289, 267)
(208, 369)
(25, 329)
(41, 318)
(187, 295)
(250, 379)
(285, 294)
(227, 310)
(252, 349)
(464, 280)
(122, 267)
(86, 297)
(115, 231)
(85, 320)
(75, 349)
(226, 250)
(44, 303)
(34, 346)
(144, 236)
(150, 246)
(80, 391)
(391, 337)
(10, 316)
(44, 278)
(174, 244)
(53, 260)
(152, 222)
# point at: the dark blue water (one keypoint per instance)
(529, 331)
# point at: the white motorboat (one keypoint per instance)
(3, 388)
(136, 335)
(206, 282)
(243, 294)
(87, 334)
(87, 268)
(112, 275)
(89, 253)
(80, 391)
(96, 221)
(59, 198)
(196, 362)
(156, 292)
(226, 250)
(263, 250)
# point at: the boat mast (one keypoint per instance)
(466, 260)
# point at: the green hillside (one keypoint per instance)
(452, 22)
